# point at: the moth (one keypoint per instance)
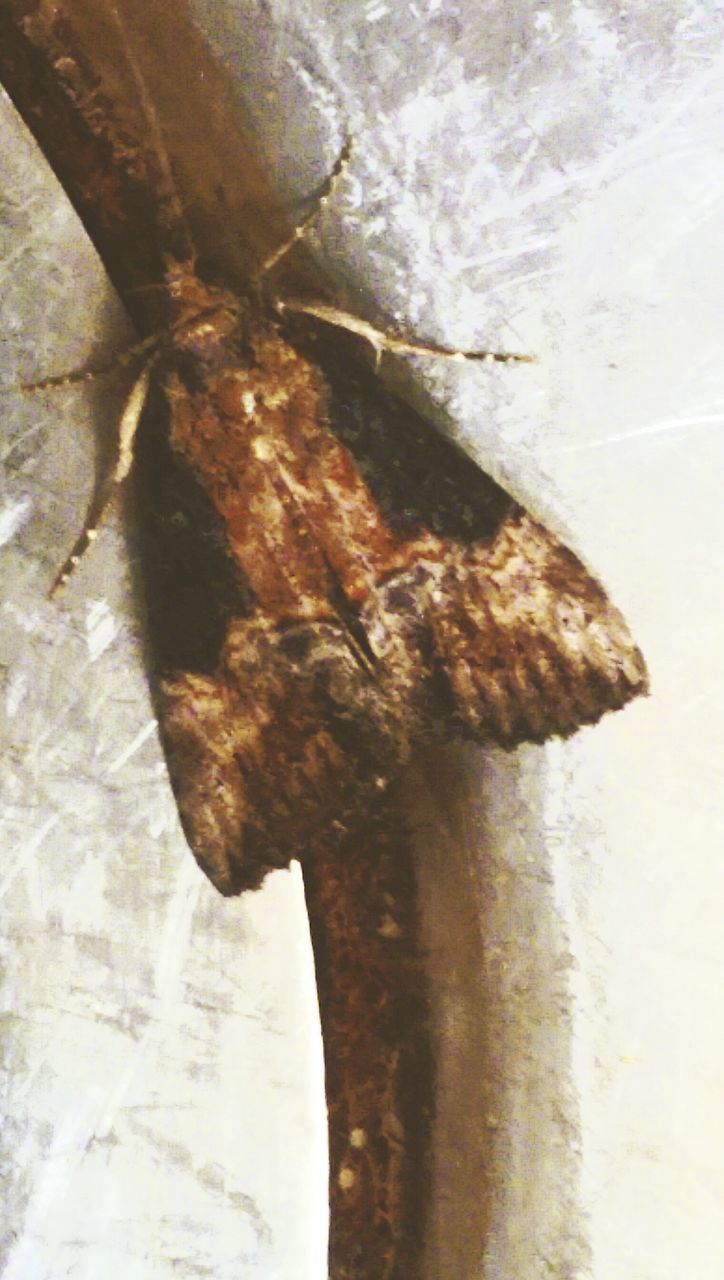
(328, 582)
(340, 612)
(314, 615)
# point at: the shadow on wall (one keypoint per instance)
(505, 1145)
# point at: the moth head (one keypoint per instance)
(202, 317)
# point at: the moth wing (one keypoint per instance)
(505, 641)
(528, 640)
(290, 739)
(520, 639)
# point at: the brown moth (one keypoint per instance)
(328, 582)
(328, 585)
(342, 613)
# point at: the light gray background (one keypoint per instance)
(547, 178)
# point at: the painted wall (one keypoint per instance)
(547, 178)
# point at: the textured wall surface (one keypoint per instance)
(548, 179)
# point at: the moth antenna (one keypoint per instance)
(168, 190)
(77, 376)
(326, 192)
(105, 491)
(381, 341)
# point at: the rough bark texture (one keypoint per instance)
(378, 1056)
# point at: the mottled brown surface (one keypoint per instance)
(341, 653)
(373, 999)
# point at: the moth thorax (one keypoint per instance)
(203, 318)
(206, 335)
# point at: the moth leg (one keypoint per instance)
(300, 230)
(106, 489)
(380, 341)
(76, 376)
